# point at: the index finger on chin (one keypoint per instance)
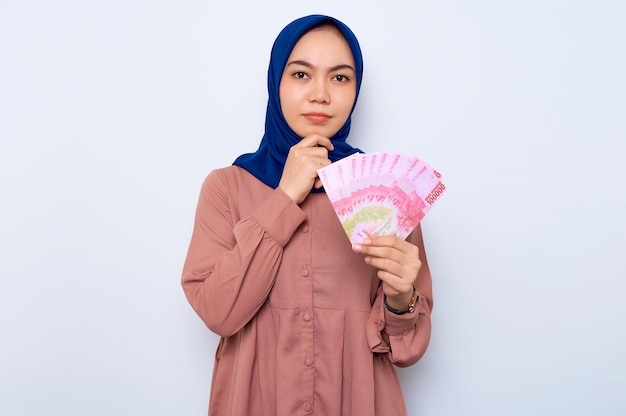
(316, 140)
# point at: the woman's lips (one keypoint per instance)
(317, 118)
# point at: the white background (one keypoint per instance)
(113, 112)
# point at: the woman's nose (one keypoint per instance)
(319, 92)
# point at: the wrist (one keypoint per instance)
(402, 304)
(294, 196)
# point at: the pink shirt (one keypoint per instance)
(299, 313)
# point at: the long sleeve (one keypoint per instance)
(409, 334)
(234, 256)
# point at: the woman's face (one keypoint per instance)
(318, 85)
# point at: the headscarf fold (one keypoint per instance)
(268, 161)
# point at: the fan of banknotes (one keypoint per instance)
(380, 193)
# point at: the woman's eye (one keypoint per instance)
(299, 75)
(341, 78)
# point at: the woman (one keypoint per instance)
(309, 324)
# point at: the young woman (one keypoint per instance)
(309, 324)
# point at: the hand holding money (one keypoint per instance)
(380, 193)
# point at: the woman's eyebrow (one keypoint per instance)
(331, 69)
(342, 66)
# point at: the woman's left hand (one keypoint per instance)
(398, 265)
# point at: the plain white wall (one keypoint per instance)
(112, 113)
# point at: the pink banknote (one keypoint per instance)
(380, 193)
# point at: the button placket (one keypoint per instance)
(305, 296)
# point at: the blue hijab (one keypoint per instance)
(268, 161)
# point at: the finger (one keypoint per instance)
(399, 258)
(388, 241)
(387, 246)
(404, 267)
(320, 158)
(318, 161)
(316, 140)
(314, 156)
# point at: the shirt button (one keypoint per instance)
(307, 317)
(308, 407)
(305, 228)
(308, 361)
(304, 272)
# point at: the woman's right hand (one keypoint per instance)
(300, 170)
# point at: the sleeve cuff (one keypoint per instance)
(279, 216)
(399, 324)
